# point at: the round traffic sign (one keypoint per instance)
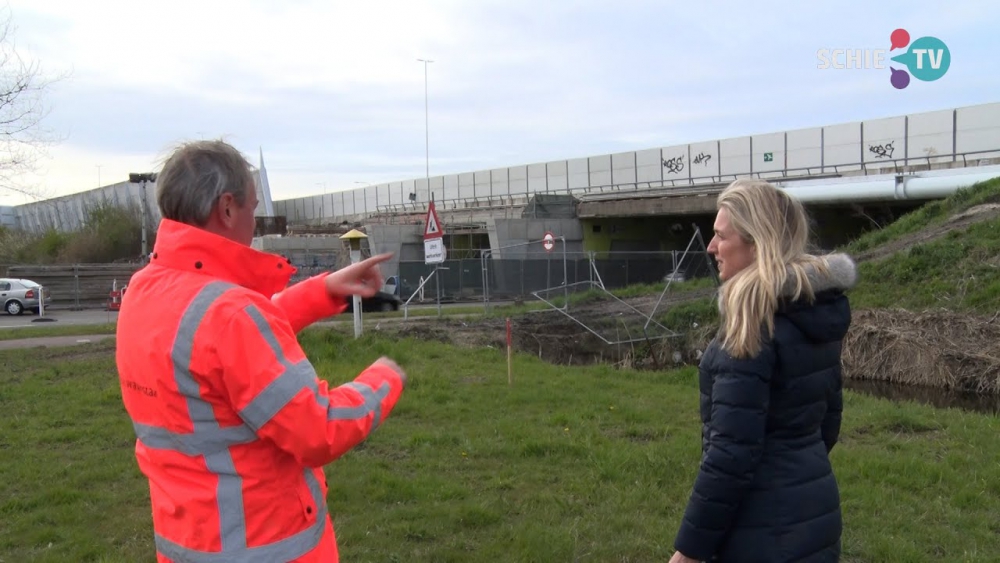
(549, 241)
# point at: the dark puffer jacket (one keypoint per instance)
(766, 491)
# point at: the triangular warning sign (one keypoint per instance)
(433, 228)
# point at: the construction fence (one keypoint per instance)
(498, 278)
(79, 286)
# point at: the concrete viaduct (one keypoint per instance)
(849, 174)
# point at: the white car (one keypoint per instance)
(16, 295)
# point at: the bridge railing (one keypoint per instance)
(698, 184)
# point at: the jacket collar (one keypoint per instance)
(185, 247)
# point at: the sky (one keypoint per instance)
(334, 95)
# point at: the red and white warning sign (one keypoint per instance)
(434, 251)
(433, 227)
(548, 241)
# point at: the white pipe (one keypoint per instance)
(876, 190)
(943, 186)
(909, 187)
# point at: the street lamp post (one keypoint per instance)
(427, 137)
(143, 178)
(427, 157)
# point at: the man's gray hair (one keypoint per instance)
(195, 177)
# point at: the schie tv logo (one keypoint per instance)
(927, 59)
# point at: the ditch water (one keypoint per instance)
(941, 398)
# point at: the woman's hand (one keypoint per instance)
(681, 558)
(362, 279)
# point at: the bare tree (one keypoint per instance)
(23, 140)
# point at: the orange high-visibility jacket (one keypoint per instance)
(232, 424)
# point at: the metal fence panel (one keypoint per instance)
(510, 278)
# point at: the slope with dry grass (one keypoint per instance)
(928, 297)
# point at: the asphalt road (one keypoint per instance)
(62, 317)
(59, 317)
(66, 317)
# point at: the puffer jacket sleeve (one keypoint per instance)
(273, 387)
(307, 302)
(740, 401)
(830, 428)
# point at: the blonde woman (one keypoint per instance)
(770, 389)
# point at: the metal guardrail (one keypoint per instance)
(76, 286)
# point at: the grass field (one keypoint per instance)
(581, 464)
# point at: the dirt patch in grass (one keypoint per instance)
(603, 330)
(42, 355)
(550, 334)
(958, 222)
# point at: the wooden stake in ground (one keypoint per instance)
(510, 380)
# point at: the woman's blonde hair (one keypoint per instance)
(777, 227)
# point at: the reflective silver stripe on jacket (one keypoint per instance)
(288, 549)
(299, 376)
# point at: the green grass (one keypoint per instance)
(69, 486)
(67, 330)
(568, 464)
(691, 314)
(929, 214)
(959, 271)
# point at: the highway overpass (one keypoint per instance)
(596, 201)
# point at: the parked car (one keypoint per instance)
(380, 302)
(18, 295)
(674, 277)
(391, 285)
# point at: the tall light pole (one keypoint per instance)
(427, 137)
(427, 156)
(143, 178)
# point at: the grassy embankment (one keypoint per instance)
(958, 271)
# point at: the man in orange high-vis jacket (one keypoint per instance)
(232, 424)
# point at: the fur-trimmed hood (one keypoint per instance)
(842, 274)
(828, 318)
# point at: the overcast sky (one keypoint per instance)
(334, 94)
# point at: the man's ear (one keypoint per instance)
(224, 208)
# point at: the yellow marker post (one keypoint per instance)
(354, 238)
